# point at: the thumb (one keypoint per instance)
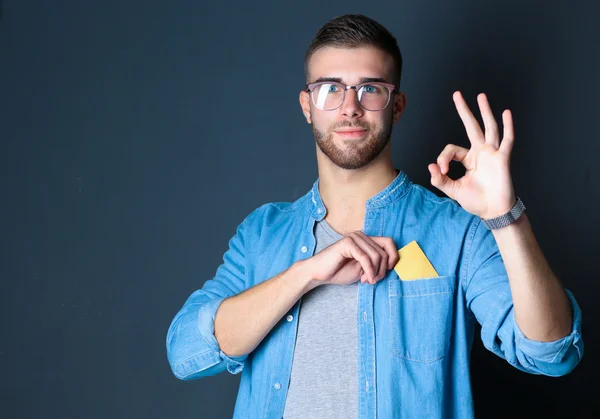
(440, 181)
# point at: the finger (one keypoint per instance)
(375, 253)
(442, 182)
(471, 125)
(361, 255)
(352, 268)
(508, 139)
(450, 152)
(383, 256)
(387, 244)
(491, 127)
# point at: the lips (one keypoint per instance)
(351, 131)
(355, 133)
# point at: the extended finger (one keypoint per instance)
(509, 135)
(489, 122)
(471, 125)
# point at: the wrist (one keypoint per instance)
(303, 273)
(505, 219)
(499, 212)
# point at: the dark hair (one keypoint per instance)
(354, 31)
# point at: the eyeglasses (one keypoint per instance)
(329, 95)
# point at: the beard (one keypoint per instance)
(356, 154)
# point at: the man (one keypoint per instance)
(315, 305)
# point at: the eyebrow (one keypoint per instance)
(362, 79)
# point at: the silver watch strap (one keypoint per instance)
(506, 219)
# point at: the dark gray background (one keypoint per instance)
(136, 135)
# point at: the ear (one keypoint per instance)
(305, 105)
(399, 105)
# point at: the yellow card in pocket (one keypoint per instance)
(413, 263)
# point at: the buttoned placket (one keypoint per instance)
(367, 400)
(306, 250)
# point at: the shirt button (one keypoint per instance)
(319, 210)
(304, 249)
(277, 386)
(290, 318)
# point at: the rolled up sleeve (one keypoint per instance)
(554, 358)
(488, 296)
(192, 348)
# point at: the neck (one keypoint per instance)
(345, 192)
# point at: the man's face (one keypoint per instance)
(371, 129)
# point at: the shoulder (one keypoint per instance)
(425, 200)
(277, 212)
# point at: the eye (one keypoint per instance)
(369, 88)
(332, 88)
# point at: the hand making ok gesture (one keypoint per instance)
(486, 189)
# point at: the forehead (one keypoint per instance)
(350, 64)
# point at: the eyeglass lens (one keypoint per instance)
(329, 96)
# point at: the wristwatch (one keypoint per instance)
(506, 219)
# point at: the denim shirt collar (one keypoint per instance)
(394, 191)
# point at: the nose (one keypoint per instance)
(351, 107)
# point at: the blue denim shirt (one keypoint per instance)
(414, 337)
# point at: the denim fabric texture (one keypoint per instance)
(414, 337)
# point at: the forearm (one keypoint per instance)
(542, 309)
(242, 321)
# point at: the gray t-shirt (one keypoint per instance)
(324, 378)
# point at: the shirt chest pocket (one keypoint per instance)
(421, 317)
